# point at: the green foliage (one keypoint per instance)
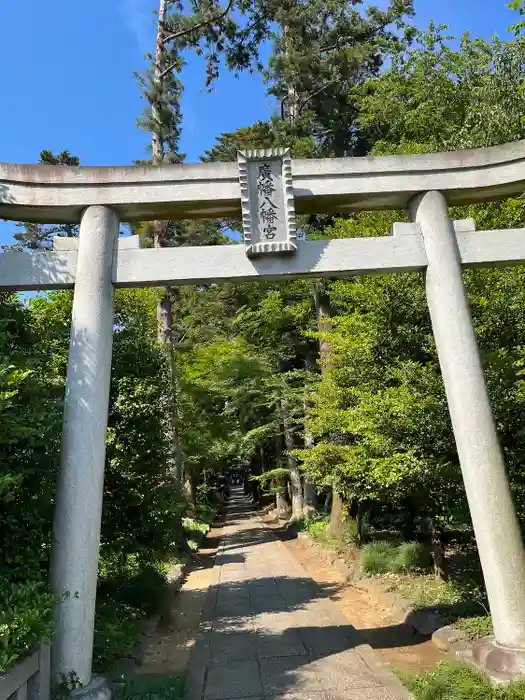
(321, 52)
(117, 631)
(378, 557)
(135, 584)
(436, 97)
(274, 480)
(194, 531)
(25, 618)
(30, 421)
(143, 504)
(454, 599)
(318, 529)
(519, 6)
(382, 557)
(459, 681)
(475, 627)
(411, 556)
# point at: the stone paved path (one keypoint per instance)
(270, 631)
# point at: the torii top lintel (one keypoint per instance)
(59, 194)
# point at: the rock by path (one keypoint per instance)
(269, 631)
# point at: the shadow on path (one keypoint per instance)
(269, 631)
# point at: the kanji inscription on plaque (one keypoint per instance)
(268, 211)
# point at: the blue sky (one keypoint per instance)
(66, 75)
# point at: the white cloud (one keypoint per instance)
(139, 20)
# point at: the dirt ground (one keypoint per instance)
(167, 644)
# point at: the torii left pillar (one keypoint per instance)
(78, 508)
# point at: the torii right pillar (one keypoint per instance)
(496, 528)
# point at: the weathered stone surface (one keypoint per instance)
(205, 264)
(445, 637)
(424, 622)
(80, 483)
(267, 200)
(294, 644)
(496, 527)
(99, 688)
(236, 679)
(58, 194)
(498, 661)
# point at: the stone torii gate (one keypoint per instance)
(262, 188)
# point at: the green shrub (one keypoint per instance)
(192, 526)
(311, 522)
(458, 681)
(411, 556)
(25, 617)
(318, 529)
(206, 513)
(117, 631)
(378, 557)
(145, 591)
(194, 531)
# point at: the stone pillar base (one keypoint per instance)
(99, 688)
(500, 663)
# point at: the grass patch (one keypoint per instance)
(458, 681)
(412, 556)
(475, 627)
(150, 687)
(25, 617)
(452, 599)
(378, 557)
(425, 591)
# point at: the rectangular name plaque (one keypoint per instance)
(268, 211)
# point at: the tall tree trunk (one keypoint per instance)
(438, 551)
(309, 497)
(191, 481)
(309, 494)
(160, 229)
(157, 142)
(323, 311)
(336, 514)
(281, 504)
(279, 446)
(295, 475)
(292, 98)
(296, 490)
(157, 136)
(359, 519)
